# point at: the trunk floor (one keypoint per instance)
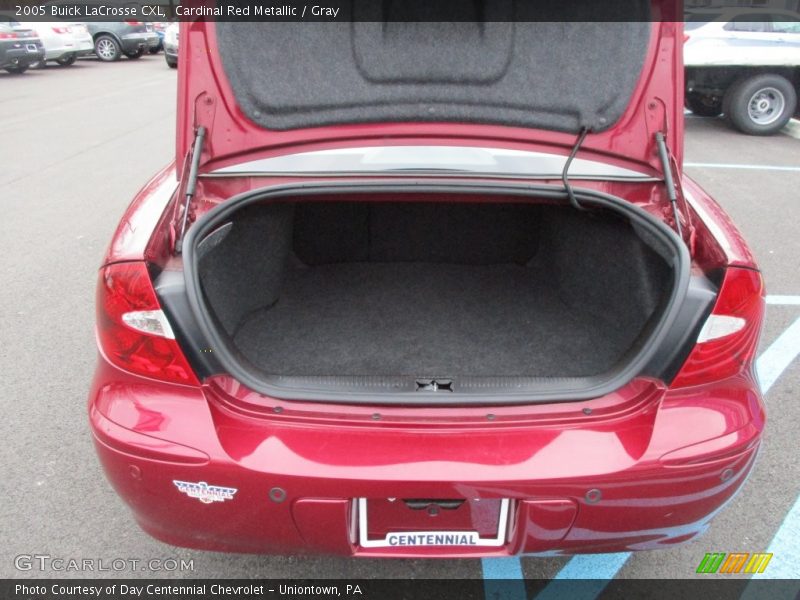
(425, 320)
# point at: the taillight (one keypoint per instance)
(132, 22)
(62, 29)
(7, 36)
(132, 329)
(729, 339)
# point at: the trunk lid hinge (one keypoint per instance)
(191, 184)
(672, 182)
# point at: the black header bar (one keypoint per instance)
(396, 10)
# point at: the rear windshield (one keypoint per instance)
(561, 76)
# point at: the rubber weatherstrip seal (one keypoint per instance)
(471, 391)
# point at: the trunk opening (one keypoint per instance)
(398, 296)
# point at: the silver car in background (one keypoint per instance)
(63, 42)
(115, 39)
(171, 36)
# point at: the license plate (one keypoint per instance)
(400, 536)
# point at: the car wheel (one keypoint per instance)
(17, 69)
(107, 48)
(68, 60)
(704, 105)
(760, 105)
(136, 54)
(172, 63)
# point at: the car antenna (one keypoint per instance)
(663, 155)
(564, 174)
(191, 184)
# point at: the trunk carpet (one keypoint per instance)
(425, 320)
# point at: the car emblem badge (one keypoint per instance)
(204, 492)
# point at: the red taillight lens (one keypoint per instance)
(8, 36)
(729, 339)
(62, 29)
(132, 22)
(132, 330)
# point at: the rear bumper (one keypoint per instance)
(132, 42)
(664, 462)
(22, 56)
(66, 47)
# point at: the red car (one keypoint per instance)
(425, 289)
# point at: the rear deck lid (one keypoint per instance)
(505, 76)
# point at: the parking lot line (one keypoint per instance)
(785, 547)
(785, 544)
(595, 571)
(503, 578)
(778, 356)
(604, 567)
(784, 300)
(738, 166)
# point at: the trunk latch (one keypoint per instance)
(434, 385)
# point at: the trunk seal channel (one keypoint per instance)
(538, 390)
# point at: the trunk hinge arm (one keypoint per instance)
(665, 157)
(191, 184)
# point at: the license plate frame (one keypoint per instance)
(454, 538)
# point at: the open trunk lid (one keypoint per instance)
(503, 79)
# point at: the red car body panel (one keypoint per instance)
(645, 467)
(664, 461)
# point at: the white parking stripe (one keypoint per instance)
(778, 356)
(783, 300)
(745, 167)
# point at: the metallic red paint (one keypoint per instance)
(658, 457)
(665, 460)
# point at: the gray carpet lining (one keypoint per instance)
(508, 66)
(426, 320)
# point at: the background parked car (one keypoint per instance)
(171, 36)
(63, 42)
(19, 47)
(745, 64)
(153, 40)
(113, 39)
(159, 27)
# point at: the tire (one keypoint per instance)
(760, 105)
(17, 69)
(67, 60)
(107, 48)
(135, 55)
(703, 105)
(171, 62)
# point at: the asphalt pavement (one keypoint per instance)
(77, 143)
